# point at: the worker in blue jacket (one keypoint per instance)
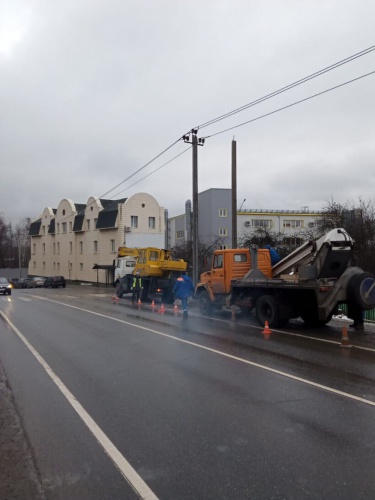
(183, 289)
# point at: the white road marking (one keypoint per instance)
(291, 334)
(224, 354)
(24, 299)
(127, 471)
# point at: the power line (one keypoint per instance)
(148, 175)
(242, 108)
(140, 169)
(288, 87)
(290, 105)
(246, 106)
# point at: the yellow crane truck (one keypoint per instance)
(311, 282)
(156, 267)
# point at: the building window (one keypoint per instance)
(34, 247)
(293, 223)
(44, 229)
(58, 266)
(44, 265)
(261, 223)
(34, 264)
(134, 221)
(293, 242)
(58, 247)
(70, 246)
(95, 247)
(54, 265)
(81, 247)
(70, 226)
(81, 266)
(223, 212)
(63, 227)
(54, 248)
(151, 222)
(223, 231)
(70, 266)
(95, 223)
(88, 224)
(44, 248)
(180, 234)
(58, 228)
(112, 245)
(223, 247)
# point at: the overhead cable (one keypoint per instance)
(289, 105)
(288, 87)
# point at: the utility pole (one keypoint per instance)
(234, 194)
(192, 138)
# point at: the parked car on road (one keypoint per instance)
(5, 286)
(55, 281)
(36, 282)
(22, 283)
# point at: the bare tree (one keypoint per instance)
(14, 243)
(205, 251)
(263, 236)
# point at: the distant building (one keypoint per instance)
(291, 223)
(80, 241)
(215, 221)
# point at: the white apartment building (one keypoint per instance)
(290, 223)
(80, 241)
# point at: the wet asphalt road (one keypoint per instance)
(204, 408)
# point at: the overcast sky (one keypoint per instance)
(90, 91)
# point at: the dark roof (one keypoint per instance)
(51, 229)
(35, 227)
(80, 207)
(107, 217)
(78, 223)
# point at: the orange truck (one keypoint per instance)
(311, 282)
(214, 288)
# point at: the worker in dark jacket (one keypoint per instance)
(183, 289)
(136, 287)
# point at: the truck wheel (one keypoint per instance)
(266, 310)
(205, 305)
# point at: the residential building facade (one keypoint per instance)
(80, 241)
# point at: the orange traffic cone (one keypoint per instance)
(113, 299)
(139, 301)
(345, 342)
(162, 309)
(175, 308)
(153, 303)
(266, 328)
(117, 299)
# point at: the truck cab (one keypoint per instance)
(215, 285)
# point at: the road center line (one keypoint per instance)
(127, 471)
(224, 354)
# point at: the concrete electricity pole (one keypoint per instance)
(192, 138)
(234, 194)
